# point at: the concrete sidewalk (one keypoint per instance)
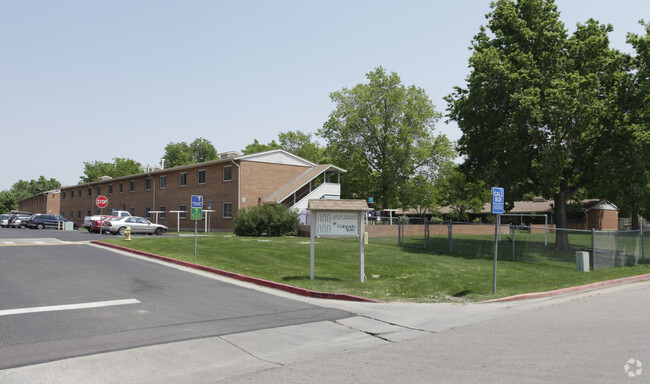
(213, 359)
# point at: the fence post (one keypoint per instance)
(593, 247)
(399, 234)
(642, 244)
(617, 262)
(450, 231)
(426, 233)
(512, 232)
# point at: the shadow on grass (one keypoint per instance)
(305, 278)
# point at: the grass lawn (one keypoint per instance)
(394, 273)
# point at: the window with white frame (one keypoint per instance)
(202, 176)
(163, 212)
(183, 211)
(182, 179)
(163, 182)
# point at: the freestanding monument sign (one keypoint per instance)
(336, 218)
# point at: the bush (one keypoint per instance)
(266, 220)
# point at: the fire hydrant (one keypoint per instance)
(127, 232)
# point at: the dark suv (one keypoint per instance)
(40, 221)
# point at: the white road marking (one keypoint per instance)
(9, 242)
(67, 307)
(38, 242)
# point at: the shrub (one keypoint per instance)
(266, 220)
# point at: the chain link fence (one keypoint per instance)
(532, 244)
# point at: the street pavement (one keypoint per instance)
(599, 336)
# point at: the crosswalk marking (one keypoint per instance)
(67, 307)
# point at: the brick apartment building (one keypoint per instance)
(227, 185)
(46, 202)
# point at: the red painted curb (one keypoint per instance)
(237, 276)
(586, 287)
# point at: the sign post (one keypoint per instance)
(196, 215)
(101, 202)
(498, 203)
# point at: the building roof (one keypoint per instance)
(300, 181)
(277, 156)
(338, 205)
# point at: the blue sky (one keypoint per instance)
(94, 80)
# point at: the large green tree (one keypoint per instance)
(532, 113)
(382, 132)
(626, 148)
(198, 151)
(23, 189)
(118, 168)
(7, 202)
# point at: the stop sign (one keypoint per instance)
(101, 201)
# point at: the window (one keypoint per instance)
(147, 184)
(163, 182)
(147, 213)
(78, 214)
(226, 212)
(202, 176)
(63, 195)
(227, 173)
(163, 212)
(71, 214)
(90, 191)
(132, 211)
(183, 179)
(99, 190)
(71, 194)
(183, 211)
(121, 187)
(110, 189)
(89, 213)
(79, 194)
(132, 186)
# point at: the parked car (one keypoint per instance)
(18, 221)
(117, 225)
(4, 220)
(95, 225)
(40, 221)
(88, 220)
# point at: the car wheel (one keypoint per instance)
(39, 226)
(121, 231)
(158, 231)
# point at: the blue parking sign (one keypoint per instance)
(498, 200)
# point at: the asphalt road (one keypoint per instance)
(133, 302)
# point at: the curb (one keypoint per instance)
(580, 288)
(249, 279)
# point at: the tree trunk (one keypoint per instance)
(561, 222)
(635, 218)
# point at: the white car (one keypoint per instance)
(117, 226)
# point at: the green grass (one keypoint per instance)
(394, 273)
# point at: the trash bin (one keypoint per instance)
(582, 261)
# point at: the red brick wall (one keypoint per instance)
(42, 203)
(260, 180)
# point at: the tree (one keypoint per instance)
(300, 144)
(7, 202)
(382, 133)
(257, 147)
(626, 150)
(198, 151)
(533, 111)
(23, 189)
(462, 194)
(118, 168)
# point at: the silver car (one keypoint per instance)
(4, 220)
(117, 225)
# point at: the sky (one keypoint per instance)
(84, 81)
